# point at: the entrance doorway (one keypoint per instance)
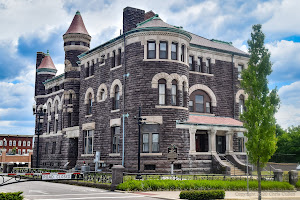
(201, 139)
(221, 144)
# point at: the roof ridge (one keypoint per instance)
(156, 16)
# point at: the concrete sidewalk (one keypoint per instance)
(230, 195)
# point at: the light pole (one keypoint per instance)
(38, 113)
(139, 119)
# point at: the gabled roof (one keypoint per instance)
(77, 25)
(47, 62)
(154, 21)
(213, 120)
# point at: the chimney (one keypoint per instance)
(131, 17)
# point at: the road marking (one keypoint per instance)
(73, 194)
(37, 191)
(123, 197)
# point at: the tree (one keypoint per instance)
(261, 104)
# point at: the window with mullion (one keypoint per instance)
(88, 141)
(163, 50)
(115, 139)
(162, 93)
(199, 65)
(155, 142)
(151, 54)
(174, 51)
(199, 103)
(191, 63)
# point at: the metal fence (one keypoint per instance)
(98, 177)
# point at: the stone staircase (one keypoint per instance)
(234, 170)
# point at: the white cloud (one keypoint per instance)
(285, 56)
(289, 112)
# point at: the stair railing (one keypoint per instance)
(230, 163)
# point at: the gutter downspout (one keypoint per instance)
(124, 115)
(232, 64)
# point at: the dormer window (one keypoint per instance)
(163, 50)
(151, 50)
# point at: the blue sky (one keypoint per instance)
(38, 25)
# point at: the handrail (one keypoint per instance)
(230, 163)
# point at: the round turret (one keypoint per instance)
(47, 66)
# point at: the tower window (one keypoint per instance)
(151, 50)
(162, 92)
(117, 98)
(191, 63)
(163, 50)
(174, 93)
(174, 51)
(182, 58)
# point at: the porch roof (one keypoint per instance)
(213, 121)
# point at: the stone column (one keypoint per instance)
(278, 175)
(117, 176)
(229, 142)
(293, 177)
(212, 140)
(192, 140)
(157, 49)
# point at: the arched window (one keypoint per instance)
(184, 99)
(182, 57)
(70, 98)
(114, 59)
(87, 70)
(49, 109)
(174, 93)
(56, 107)
(162, 92)
(90, 104)
(241, 104)
(117, 98)
(200, 102)
(102, 94)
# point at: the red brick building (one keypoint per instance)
(22, 143)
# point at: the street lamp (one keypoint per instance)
(139, 119)
(38, 113)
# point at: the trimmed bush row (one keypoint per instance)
(202, 194)
(153, 185)
(11, 196)
(298, 185)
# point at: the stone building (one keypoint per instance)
(188, 88)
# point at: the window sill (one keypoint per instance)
(200, 153)
(174, 107)
(89, 77)
(88, 116)
(151, 154)
(207, 114)
(102, 64)
(201, 73)
(114, 154)
(116, 67)
(167, 60)
(239, 153)
(87, 155)
(113, 111)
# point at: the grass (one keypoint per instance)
(154, 185)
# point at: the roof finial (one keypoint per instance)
(47, 53)
(77, 13)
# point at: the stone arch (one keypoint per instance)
(205, 89)
(185, 80)
(86, 97)
(159, 76)
(239, 93)
(112, 87)
(177, 78)
(49, 100)
(102, 86)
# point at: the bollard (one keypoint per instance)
(117, 176)
(278, 175)
(293, 177)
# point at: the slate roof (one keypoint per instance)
(47, 62)
(213, 120)
(156, 21)
(77, 25)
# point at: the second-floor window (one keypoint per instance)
(163, 50)
(151, 54)
(162, 92)
(191, 63)
(182, 57)
(90, 104)
(174, 93)
(150, 138)
(115, 139)
(240, 69)
(241, 104)
(200, 102)
(117, 98)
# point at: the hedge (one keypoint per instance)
(153, 185)
(11, 196)
(202, 194)
(298, 185)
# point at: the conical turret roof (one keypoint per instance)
(77, 25)
(47, 63)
